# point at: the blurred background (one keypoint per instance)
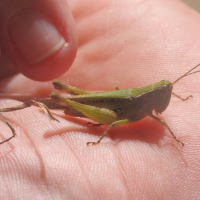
(195, 4)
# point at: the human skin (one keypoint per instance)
(121, 43)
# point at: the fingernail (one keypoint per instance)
(34, 35)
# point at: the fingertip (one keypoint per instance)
(51, 67)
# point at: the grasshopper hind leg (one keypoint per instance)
(11, 128)
(116, 123)
(101, 115)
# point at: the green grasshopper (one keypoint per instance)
(111, 108)
(117, 107)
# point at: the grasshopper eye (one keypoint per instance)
(164, 90)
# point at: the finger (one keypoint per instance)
(38, 37)
(6, 67)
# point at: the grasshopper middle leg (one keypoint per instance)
(164, 123)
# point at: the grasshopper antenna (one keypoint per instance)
(187, 74)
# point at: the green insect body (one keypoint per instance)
(128, 104)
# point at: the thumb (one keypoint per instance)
(38, 37)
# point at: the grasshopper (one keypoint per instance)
(118, 107)
(111, 108)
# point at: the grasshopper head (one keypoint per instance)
(162, 95)
(163, 89)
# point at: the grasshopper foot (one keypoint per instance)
(184, 99)
(94, 124)
(92, 143)
(182, 143)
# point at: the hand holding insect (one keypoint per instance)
(111, 108)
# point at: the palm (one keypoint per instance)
(121, 45)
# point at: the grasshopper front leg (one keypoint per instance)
(182, 99)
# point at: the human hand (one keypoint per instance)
(127, 44)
